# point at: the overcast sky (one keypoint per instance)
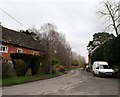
(77, 19)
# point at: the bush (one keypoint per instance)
(44, 68)
(98, 54)
(32, 61)
(55, 61)
(20, 67)
(21, 56)
(112, 50)
(35, 64)
(7, 70)
(26, 57)
(109, 51)
(61, 69)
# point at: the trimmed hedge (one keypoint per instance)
(32, 61)
(26, 57)
(35, 64)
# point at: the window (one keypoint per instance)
(3, 49)
(19, 50)
(104, 67)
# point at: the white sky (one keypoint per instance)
(77, 19)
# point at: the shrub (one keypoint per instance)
(98, 54)
(7, 69)
(32, 61)
(109, 51)
(35, 64)
(112, 50)
(61, 69)
(55, 61)
(45, 68)
(26, 57)
(20, 67)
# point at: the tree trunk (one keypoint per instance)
(50, 57)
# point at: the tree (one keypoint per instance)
(109, 52)
(98, 39)
(54, 43)
(49, 37)
(110, 14)
(63, 51)
(112, 50)
(97, 54)
(78, 60)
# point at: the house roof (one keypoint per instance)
(20, 39)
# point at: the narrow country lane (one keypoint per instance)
(76, 82)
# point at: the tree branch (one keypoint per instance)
(117, 18)
(103, 13)
(118, 25)
(110, 25)
(115, 11)
(112, 17)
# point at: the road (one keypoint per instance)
(76, 82)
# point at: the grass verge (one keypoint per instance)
(24, 79)
(68, 69)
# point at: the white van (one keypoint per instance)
(101, 68)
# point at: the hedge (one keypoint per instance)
(98, 54)
(112, 50)
(32, 61)
(20, 67)
(35, 63)
(109, 51)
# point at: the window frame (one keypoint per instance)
(5, 49)
(19, 49)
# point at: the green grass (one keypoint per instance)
(24, 79)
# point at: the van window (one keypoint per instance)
(104, 67)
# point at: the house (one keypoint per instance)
(17, 42)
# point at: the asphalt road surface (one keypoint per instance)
(76, 82)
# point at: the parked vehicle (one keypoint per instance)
(101, 68)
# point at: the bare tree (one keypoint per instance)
(110, 13)
(78, 59)
(49, 37)
(54, 43)
(63, 51)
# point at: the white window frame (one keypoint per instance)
(5, 50)
(19, 50)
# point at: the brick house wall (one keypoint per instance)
(14, 49)
(14, 41)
